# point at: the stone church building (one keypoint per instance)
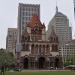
(38, 52)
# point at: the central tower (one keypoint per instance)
(25, 13)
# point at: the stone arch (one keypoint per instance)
(25, 63)
(36, 48)
(41, 62)
(56, 47)
(40, 48)
(44, 48)
(56, 62)
(47, 48)
(32, 48)
(53, 47)
(27, 47)
(47, 45)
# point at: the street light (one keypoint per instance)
(62, 56)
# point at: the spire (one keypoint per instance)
(56, 7)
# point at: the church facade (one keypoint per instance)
(38, 52)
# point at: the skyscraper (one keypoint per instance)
(11, 40)
(60, 22)
(25, 13)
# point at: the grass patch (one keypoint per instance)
(42, 73)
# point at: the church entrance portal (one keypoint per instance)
(56, 62)
(41, 62)
(25, 63)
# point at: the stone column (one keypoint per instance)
(38, 49)
(34, 49)
(50, 48)
(54, 62)
(34, 65)
(49, 63)
(29, 64)
(45, 49)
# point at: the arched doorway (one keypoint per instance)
(56, 62)
(41, 62)
(25, 63)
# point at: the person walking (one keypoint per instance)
(2, 70)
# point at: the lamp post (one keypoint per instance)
(68, 52)
(62, 56)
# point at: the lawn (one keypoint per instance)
(42, 73)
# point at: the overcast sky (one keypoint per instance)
(9, 12)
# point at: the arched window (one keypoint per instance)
(51, 39)
(40, 49)
(56, 47)
(36, 49)
(32, 48)
(53, 47)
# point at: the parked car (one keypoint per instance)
(16, 69)
(70, 67)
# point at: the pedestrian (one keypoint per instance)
(2, 70)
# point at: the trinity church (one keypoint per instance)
(37, 51)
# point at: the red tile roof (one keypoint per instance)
(35, 21)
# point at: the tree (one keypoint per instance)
(6, 58)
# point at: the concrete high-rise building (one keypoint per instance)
(60, 22)
(25, 13)
(11, 40)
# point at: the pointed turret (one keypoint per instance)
(54, 41)
(53, 37)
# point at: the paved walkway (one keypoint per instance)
(41, 70)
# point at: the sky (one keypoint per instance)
(9, 14)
